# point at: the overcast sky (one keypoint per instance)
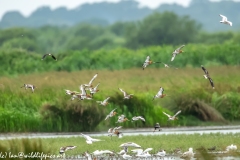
(26, 7)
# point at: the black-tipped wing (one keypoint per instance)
(54, 57)
(211, 82)
(205, 71)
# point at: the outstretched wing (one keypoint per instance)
(177, 113)
(146, 62)
(180, 47)
(54, 57)
(224, 18)
(44, 56)
(96, 86)
(167, 114)
(204, 69)
(160, 92)
(94, 77)
(211, 82)
(173, 56)
(113, 111)
(82, 89)
(106, 100)
(124, 93)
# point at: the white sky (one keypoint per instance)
(26, 7)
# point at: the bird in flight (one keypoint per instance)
(148, 62)
(160, 94)
(224, 20)
(49, 54)
(172, 118)
(176, 52)
(207, 76)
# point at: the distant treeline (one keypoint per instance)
(17, 61)
(157, 29)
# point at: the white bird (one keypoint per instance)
(111, 114)
(135, 118)
(160, 93)
(89, 157)
(167, 65)
(126, 96)
(126, 156)
(90, 82)
(105, 102)
(64, 149)
(224, 20)
(89, 139)
(130, 144)
(125, 150)
(231, 148)
(161, 153)
(147, 62)
(94, 90)
(141, 153)
(97, 152)
(29, 86)
(84, 94)
(172, 117)
(69, 92)
(115, 131)
(122, 119)
(188, 154)
(176, 52)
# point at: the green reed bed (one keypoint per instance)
(49, 109)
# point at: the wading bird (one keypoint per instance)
(94, 90)
(90, 82)
(89, 139)
(105, 102)
(111, 114)
(207, 76)
(84, 94)
(172, 118)
(64, 149)
(176, 52)
(157, 126)
(125, 95)
(122, 119)
(188, 154)
(161, 153)
(224, 20)
(148, 62)
(160, 94)
(26, 86)
(135, 118)
(49, 54)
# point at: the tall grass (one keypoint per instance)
(49, 109)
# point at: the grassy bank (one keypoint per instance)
(49, 109)
(157, 142)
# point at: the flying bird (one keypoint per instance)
(207, 76)
(115, 131)
(26, 86)
(130, 144)
(94, 90)
(135, 118)
(167, 65)
(176, 52)
(89, 139)
(126, 96)
(224, 20)
(160, 94)
(122, 119)
(172, 118)
(90, 82)
(64, 149)
(49, 54)
(105, 102)
(111, 114)
(148, 62)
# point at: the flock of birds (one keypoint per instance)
(139, 153)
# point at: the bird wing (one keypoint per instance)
(160, 92)
(82, 89)
(166, 114)
(211, 82)
(110, 130)
(177, 113)
(147, 59)
(86, 137)
(95, 88)
(173, 56)
(147, 150)
(107, 117)
(94, 77)
(117, 128)
(180, 47)
(44, 55)
(224, 18)
(54, 57)
(204, 69)
(112, 111)
(124, 93)
(106, 100)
